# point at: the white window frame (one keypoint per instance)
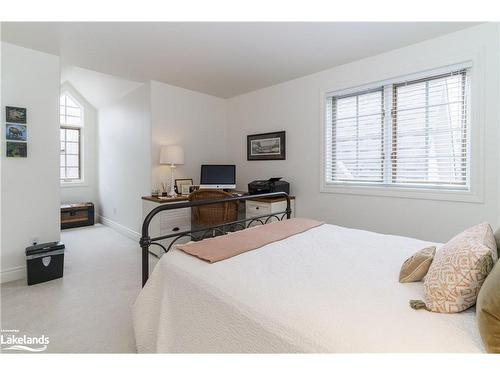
(81, 181)
(476, 131)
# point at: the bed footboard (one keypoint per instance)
(198, 234)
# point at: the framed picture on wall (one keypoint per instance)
(266, 146)
(15, 132)
(16, 149)
(15, 114)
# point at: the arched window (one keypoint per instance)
(71, 118)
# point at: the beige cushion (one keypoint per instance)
(416, 267)
(488, 311)
(459, 269)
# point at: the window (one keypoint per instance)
(357, 133)
(405, 133)
(429, 140)
(71, 118)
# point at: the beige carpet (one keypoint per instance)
(89, 309)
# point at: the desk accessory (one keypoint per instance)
(173, 155)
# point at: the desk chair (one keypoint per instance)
(213, 214)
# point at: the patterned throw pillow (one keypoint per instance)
(458, 270)
(416, 267)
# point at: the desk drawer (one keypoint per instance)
(254, 208)
(171, 222)
(175, 223)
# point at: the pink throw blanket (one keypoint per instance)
(224, 247)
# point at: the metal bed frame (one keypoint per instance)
(198, 234)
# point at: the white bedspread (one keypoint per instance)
(330, 289)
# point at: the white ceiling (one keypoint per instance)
(222, 59)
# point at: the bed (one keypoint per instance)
(329, 289)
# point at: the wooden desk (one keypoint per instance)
(179, 198)
(172, 221)
(273, 200)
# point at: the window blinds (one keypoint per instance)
(429, 140)
(412, 133)
(357, 137)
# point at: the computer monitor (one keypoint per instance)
(218, 176)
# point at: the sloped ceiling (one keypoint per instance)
(98, 88)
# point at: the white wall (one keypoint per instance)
(294, 106)
(30, 186)
(124, 160)
(195, 121)
(130, 134)
(85, 191)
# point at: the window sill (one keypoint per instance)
(403, 192)
(74, 184)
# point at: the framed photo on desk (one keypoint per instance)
(182, 185)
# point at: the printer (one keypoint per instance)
(268, 186)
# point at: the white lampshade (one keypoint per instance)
(172, 154)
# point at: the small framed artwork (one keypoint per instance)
(180, 183)
(15, 114)
(15, 132)
(186, 189)
(266, 146)
(17, 149)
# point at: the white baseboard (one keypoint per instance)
(14, 273)
(120, 228)
(17, 273)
